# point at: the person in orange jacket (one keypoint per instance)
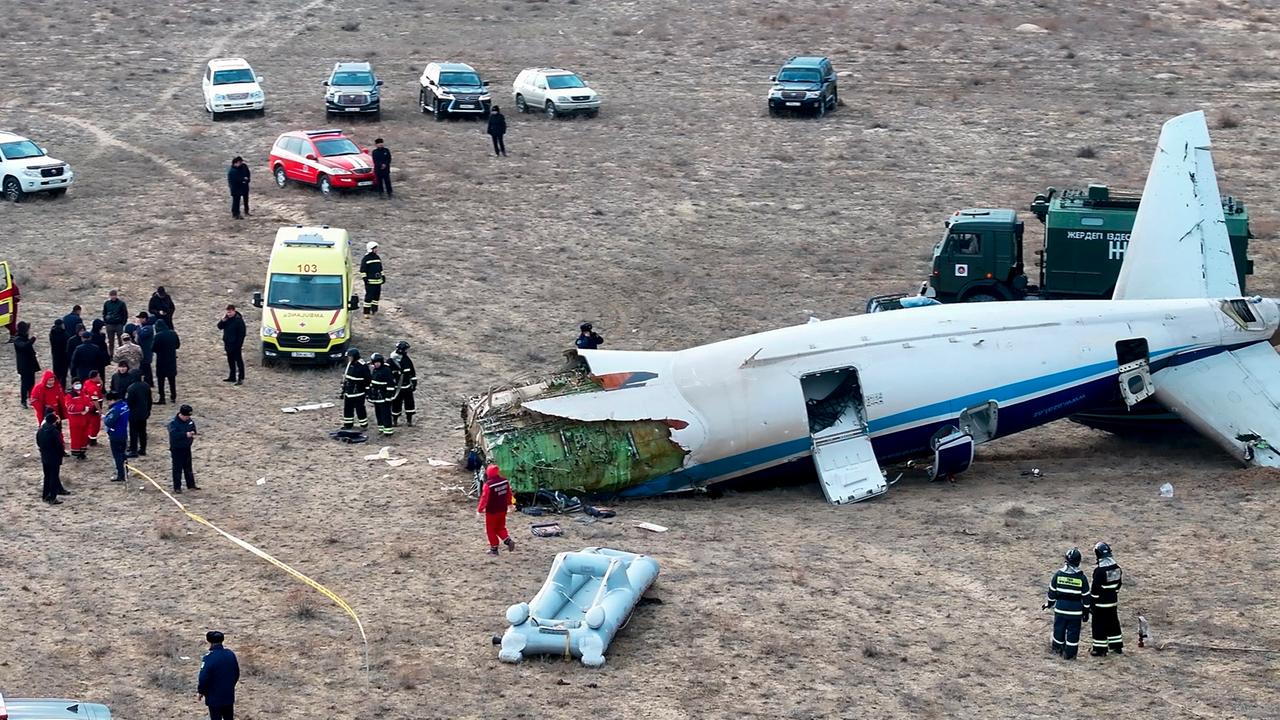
(79, 408)
(495, 498)
(48, 393)
(93, 390)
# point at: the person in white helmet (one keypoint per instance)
(371, 274)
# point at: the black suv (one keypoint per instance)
(804, 84)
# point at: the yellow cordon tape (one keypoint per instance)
(266, 556)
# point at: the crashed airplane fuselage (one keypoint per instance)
(859, 392)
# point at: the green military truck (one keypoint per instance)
(1086, 233)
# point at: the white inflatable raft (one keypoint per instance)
(588, 596)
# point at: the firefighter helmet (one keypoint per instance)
(1073, 556)
(1102, 550)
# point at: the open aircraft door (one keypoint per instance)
(8, 298)
(846, 464)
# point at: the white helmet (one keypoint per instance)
(369, 246)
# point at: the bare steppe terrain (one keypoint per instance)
(683, 214)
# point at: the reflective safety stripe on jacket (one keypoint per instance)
(1068, 592)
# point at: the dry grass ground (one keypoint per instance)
(682, 214)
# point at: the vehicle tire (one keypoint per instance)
(822, 109)
(12, 190)
(436, 111)
(213, 116)
(550, 110)
(325, 185)
(773, 112)
(522, 107)
(592, 113)
(268, 362)
(281, 178)
(57, 192)
(422, 101)
(981, 297)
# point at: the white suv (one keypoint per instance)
(24, 168)
(230, 85)
(555, 92)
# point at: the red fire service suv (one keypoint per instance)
(324, 158)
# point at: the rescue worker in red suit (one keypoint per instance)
(93, 391)
(495, 498)
(79, 409)
(47, 394)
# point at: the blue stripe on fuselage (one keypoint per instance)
(891, 446)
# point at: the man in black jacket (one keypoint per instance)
(402, 364)
(238, 184)
(219, 673)
(86, 358)
(114, 315)
(49, 440)
(382, 167)
(382, 389)
(497, 130)
(24, 355)
(121, 379)
(182, 432)
(233, 332)
(161, 306)
(138, 397)
(58, 351)
(145, 335)
(165, 347)
(355, 382)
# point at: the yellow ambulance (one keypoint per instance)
(309, 299)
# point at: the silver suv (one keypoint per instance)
(352, 88)
(50, 709)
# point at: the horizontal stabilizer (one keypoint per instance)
(1179, 246)
(1233, 398)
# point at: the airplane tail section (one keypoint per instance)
(1179, 246)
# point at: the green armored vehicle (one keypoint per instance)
(1086, 233)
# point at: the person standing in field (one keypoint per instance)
(114, 315)
(233, 332)
(495, 499)
(219, 673)
(24, 356)
(382, 167)
(238, 184)
(182, 433)
(52, 450)
(165, 347)
(48, 396)
(117, 422)
(138, 395)
(497, 129)
(58, 350)
(161, 305)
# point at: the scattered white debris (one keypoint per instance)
(397, 462)
(451, 488)
(383, 454)
(310, 406)
(651, 527)
(1166, 490)
(1029, 28)
(1166, 76)
(812, 320)
(184, 657)
(439, 463)
(262, 481)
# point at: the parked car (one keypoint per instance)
(25, 169)
(555, 92)
(352, 87)
(324, 158)
(804, 84)
(230, 85)
(51, 709)
(449, 88)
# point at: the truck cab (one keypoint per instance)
(308, 298)
(978, 258)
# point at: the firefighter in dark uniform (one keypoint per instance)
(382, 389)
(1069, 597)
(371, 274)
(355, 382)
(404, 401)
(1105, 598)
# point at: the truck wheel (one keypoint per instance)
(822, 108)
(281, 178)
(982, 297)
(13, 190)
(522, 107)
(57, 192)
(268, 362)
(436, 109)
(422, 101)
(326, 186)
(551, 110)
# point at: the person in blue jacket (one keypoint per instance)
(117, 422)
(219, 673)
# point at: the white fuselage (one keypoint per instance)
(919, 369)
